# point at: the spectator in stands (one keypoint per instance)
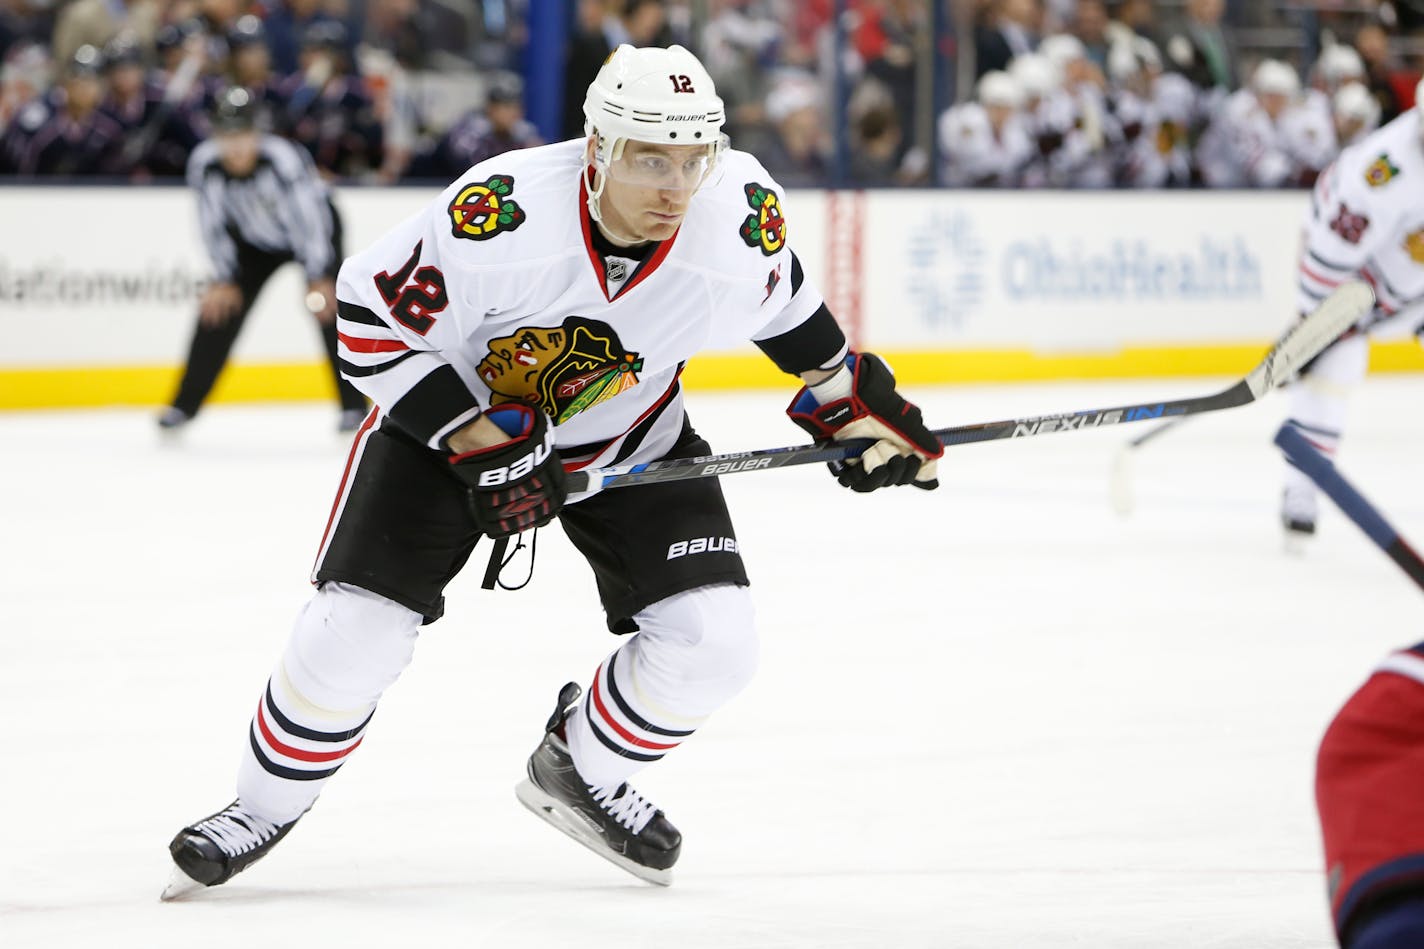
(1090, 26)
(1388, 82)
(482, 133)
(885, 40)
(328, 109)
(645, 23)
(739, 48)
(24, 77)
(799, 157)
(287, 21)
(96, 22)
(24, 80)
(75, 138)
(249, 64)
(1198, 47)
(155, 138)
(1009, 28)
(1132, 17)
(24, 23)
(186, 72)
(589, 46)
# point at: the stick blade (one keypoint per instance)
(1337, 313)
(1120, 482)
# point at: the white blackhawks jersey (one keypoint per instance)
(1242, 148)
(1367, 220)
(494, 293)
(975, 156)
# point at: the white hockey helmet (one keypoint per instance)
(651, 94)
(1130, 57)
(1354, 101)
(1339, 63)
(996, 87)
(1036, 74)
(1273, 77)
(1062, 49)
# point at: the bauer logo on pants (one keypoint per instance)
(702, 545)
(481, 211)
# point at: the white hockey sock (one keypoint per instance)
(693, 652)
(347, 647)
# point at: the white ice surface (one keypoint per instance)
(993, 716)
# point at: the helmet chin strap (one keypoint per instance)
(595, 195)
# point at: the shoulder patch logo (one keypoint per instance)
(480, 211)
(1414, 246)
(1380, 172)
(766, 228)
(563, 370)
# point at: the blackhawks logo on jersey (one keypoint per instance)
(1380, 172)
(1414, 246)
(562, 370)
(766, 228)
(481, 211)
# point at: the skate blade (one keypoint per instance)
(180, 886)
(1297, 543)
(553, 812)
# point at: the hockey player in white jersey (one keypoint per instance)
(1337, 66)
(1154, 111)
(985, 143)
(1356, 113)
(531, 320)
(1366, 221)
(1243, 147)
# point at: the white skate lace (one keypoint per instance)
(625, 805)
(235, 831)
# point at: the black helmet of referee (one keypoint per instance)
(236, 111)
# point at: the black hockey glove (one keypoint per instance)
(518, 484)
(904, 451)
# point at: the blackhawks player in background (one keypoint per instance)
(1366, 221)
(534, 319)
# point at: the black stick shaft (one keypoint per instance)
(711, 466)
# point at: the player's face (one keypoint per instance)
(1274, 103)
(238, 152)
(650, 186)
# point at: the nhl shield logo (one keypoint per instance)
(561, 370)
(480, 211)
(766, 228)
(1380, 172)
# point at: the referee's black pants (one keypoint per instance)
(211, 344)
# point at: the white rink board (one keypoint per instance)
(1075, 271)
(111, 274)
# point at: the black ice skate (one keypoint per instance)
(618, 824)
(217, 848)
(1298, 519)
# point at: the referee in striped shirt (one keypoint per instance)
(261, 204)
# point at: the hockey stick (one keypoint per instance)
(1323, 472)
(1301, 343)
(1120, 482)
